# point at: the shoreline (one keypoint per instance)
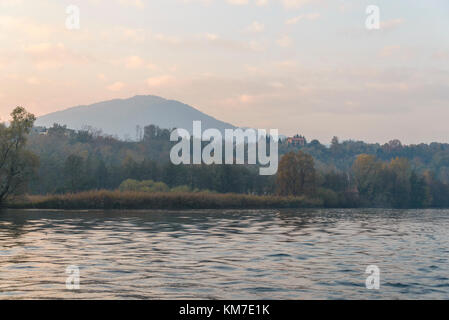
(116, 200)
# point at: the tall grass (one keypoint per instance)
(162, 200)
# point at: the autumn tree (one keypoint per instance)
(296, 174)
(16, 164)
(400, 187)
(367, 173)
(392, 184)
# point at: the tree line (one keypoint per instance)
(369, 183)
(344, 174)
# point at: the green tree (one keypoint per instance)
(17, 165)
(101, 175)
(419, 191)
(73, 169)
(439, 192)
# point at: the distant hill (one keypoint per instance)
(121, 116)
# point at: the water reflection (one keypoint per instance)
(252, 254)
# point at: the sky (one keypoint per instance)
(301, 66)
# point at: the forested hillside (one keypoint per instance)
(347, 173)
(73, 161)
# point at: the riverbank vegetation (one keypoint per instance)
(59, 166)
(104, 199)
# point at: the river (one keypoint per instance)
(225, 254)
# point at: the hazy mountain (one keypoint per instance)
(121, 116)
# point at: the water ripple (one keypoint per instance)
(231, 254)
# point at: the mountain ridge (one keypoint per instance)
(120, 117)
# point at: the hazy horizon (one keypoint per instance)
(301, 66)
(309, 138)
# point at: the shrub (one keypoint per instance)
(182, 189)
(143, 186)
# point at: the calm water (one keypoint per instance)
(317, 254)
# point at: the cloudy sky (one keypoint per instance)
(307, 66)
